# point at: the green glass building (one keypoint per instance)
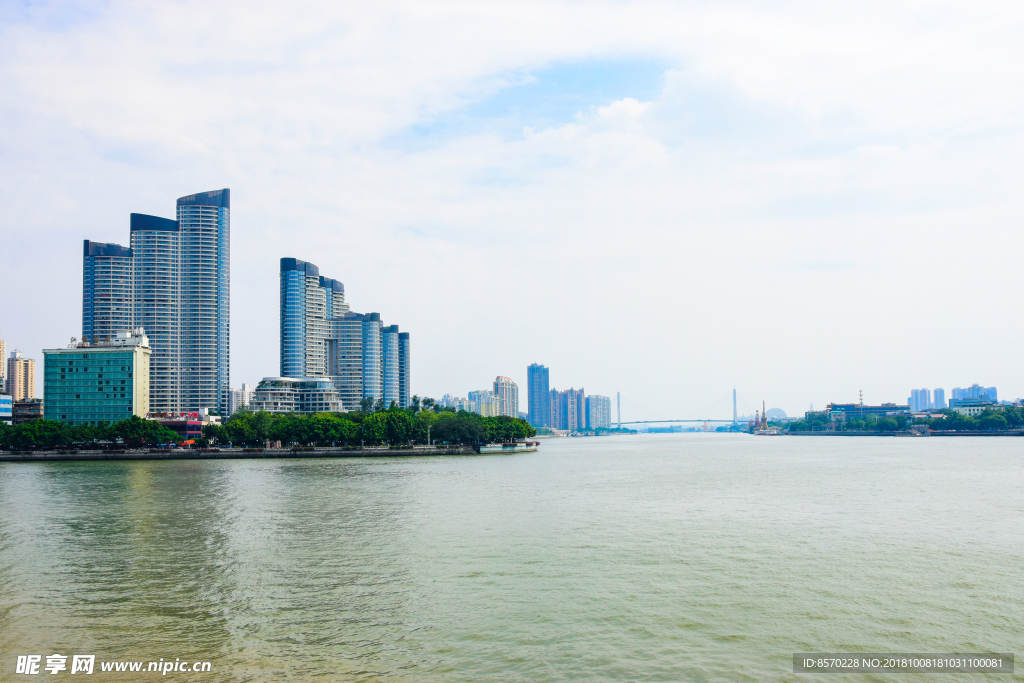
(98, 383)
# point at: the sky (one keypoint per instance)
(801, 200)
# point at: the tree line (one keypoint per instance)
(134, 432)
(393, 427)
(987, 421)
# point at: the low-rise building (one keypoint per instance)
(848, 411)
(28, 410)
(972, 407)
(6, 409)
(188, 429)
(100, 382)
(296, 395)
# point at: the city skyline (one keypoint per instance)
(481, 188)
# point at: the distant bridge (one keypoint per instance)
(649, 422)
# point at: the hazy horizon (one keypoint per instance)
(659, 199)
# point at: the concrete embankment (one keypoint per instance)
(251, 453)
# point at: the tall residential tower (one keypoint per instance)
(174, 282)
(321, 337)
(539, 395)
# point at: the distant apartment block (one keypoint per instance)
(539, 395)
(3, 366)
(97, 383)
(485, 402)
(939, 399)
(599, 412)
(975, 393)
(920, 400)
(507, 393)
(568, 409)
(21, 377)
(240, 398)
(457, 404)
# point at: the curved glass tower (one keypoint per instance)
(320, 337)
(204, 227)
(155, 255)
(107, 291)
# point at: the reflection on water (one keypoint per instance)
(659, 558)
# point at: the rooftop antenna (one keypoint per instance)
(861, 398)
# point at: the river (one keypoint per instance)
(693, 557)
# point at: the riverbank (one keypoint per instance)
(257, 453)
(1008, 432)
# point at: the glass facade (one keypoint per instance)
(204, 229)
(538, 388)
(293, 323)
(155, 252)
(107, 291)
(404, 370)
(372, 361)
(321, 337)
(389, 365)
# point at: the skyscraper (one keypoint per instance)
(108, 293)
(404, 370)
(599, 412)
(920, 400)
(939, 399)
(3, 368)
(155, 266)
(507, 392)
(179, 280)
(975, 393)
(539, 395)
(321, 337)
(389, 364)
(204, 229)
(568, 409)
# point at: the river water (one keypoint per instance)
(695, 557)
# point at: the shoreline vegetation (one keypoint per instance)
(1006, 421)
(419, 424)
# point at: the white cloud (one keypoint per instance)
(669, 247)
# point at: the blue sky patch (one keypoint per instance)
(542, 98)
